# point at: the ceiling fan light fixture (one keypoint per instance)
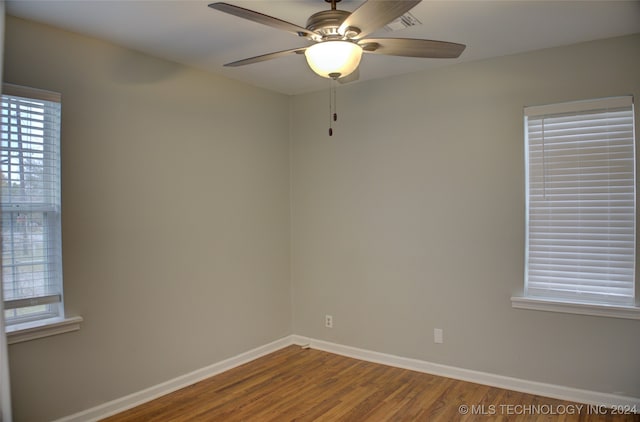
(334, 59)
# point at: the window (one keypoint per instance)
(30, 201)
(580, 193)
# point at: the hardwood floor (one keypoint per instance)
(312, 385)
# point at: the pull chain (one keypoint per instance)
(333, 115)
(335, 102)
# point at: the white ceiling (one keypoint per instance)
(189, 32)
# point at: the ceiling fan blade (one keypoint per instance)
(374, 14)
(265, 57)
(352, 77)
(409, 47)
(263, 19)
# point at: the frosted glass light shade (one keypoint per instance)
(334, 59)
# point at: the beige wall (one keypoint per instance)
(175, 220)
(411, 217)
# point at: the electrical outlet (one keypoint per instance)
(438, 335)
(328, 321)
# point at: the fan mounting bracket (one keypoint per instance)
(333, 3)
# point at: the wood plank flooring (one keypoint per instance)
(295, 384)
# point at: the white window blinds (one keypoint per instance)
(581, 201)
(30, 200)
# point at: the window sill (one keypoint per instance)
(44, 328)
(626, 312)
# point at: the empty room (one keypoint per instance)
(319, 210)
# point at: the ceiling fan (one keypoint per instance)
(340, 39)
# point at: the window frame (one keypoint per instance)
(51, 320)
(564, 304)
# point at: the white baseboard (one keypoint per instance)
(500, 381)
(516, 384)
(132, 400)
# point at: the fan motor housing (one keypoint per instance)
(327, 22)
